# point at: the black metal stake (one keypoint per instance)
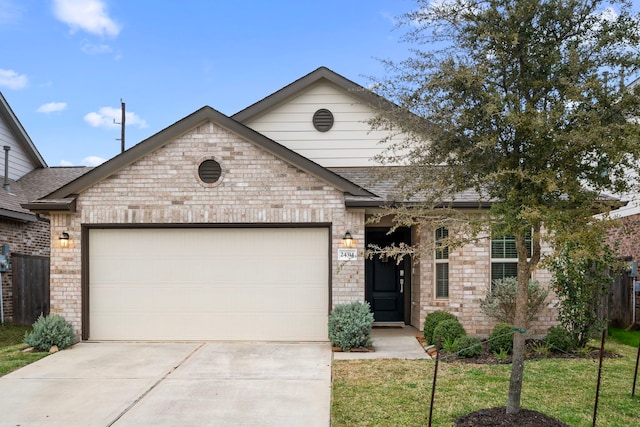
(435, 376)
(635, 373)
(595, 406)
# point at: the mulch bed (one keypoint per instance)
(337, 349)
(488, 358)
(497, 417)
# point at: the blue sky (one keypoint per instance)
(65, 64)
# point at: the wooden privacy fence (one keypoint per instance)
(30, 287)
(620, 301)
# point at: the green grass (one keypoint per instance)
(11, 346)
(622, 336)
(397, 392)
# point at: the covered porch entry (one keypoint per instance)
(387, 280)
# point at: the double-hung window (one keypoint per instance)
(504, 258)
(442, 263)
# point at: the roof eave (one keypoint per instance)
(48, 206)
(18, 216)
(388, 204)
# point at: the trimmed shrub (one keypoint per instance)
(350, 325)
(501, 339)
(560, 339)
(449, 330)
(431, 321)
(467, 346)
(49, 331)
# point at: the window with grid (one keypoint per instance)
(504, 258)
(442, 263)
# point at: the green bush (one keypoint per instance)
(467, 346)
(560, 339)
(501, 339)
(49, 331)
(431, 321)
(350, 325)
(449, 330)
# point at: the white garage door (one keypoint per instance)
(209, 284)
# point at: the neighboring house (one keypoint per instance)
(25, 176)
(230, 228)
(624, 239)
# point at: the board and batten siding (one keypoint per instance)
(19, 162)
(350, 142)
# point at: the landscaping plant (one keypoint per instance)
(350, 325)
(500, 302)
(559, 339)
(448, 330)
(431, 321)
(468, 346)
(49, 331)
(501, 339)
(581, 279)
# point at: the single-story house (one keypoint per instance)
(24, 235)
(252, 227)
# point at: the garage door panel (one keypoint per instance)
(208, 284)
(258, 328)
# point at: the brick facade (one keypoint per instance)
(469, 282)
(27, 238)
(163, 188)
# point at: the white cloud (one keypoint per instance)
(95, 49)
(86, 15)
(52, 107)
(108, 117)
(12, 80)
(65, 163)
(93, 161)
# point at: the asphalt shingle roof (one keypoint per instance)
(34, 185)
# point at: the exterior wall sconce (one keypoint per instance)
(347, 240)
(64, 239)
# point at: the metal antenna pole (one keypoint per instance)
(122, 126)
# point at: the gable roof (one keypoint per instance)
(60, 197)
(21, 135)
(320, 74)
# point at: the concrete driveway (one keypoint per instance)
(172, 384)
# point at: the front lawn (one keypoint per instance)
(397, 392)
(11, 346)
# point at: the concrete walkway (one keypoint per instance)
(390, 343)
(172, 384)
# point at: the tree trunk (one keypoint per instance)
(522, 297)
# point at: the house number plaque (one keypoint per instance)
(347, 254)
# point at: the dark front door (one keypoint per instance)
(387, 281)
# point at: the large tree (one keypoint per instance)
(528, 103)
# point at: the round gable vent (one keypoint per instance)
(209, 171)
(323, 120)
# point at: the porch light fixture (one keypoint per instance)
(347, 240)
(64, 239)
